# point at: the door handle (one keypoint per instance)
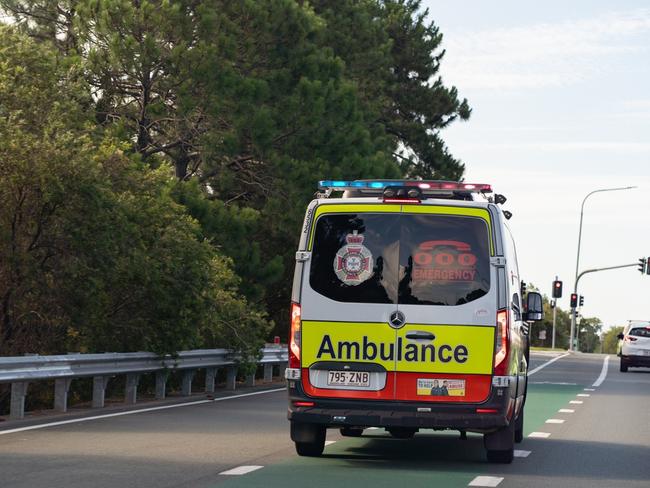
(418, 334)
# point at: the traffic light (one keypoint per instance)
(574, 300)
(582, 301)
(557, 289)
(643, 265)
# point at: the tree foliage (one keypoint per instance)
(246, 104)
(96, 254)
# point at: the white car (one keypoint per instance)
(635, 348)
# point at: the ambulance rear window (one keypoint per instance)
(418, 259)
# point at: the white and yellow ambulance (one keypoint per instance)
(408, 314)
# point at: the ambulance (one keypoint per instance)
(408, 312)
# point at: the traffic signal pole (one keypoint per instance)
(575, 283)
(554, 318)
(575, 290)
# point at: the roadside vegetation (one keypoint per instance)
(588, 329)
(156, 157)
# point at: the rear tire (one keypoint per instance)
(351, 431)
(501, 457)
(624, 366)
(312, 449)
(500, 445)
(308, 438)
(402, 432)
(519, 427)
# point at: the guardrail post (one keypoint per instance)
(99, 390)
(18, 393)
(268, 373)
(161, 384)
(186, 383)
(210, 376)
(231, 378)
(131, 390)
(283, 366)
(61, 388)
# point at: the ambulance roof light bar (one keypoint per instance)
(425, 185)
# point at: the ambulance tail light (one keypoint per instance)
(502, 344)
(294, 337)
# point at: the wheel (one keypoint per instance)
(519, 427)
(308, 438)
(402, 432)
(623, 366)
(501, 457)
(500, 445)
(351, 431)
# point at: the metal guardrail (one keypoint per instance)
(21, 370)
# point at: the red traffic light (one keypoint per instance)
(557, 289)
(574, 300)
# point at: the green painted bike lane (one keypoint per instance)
(431, 459)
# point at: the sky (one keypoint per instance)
(560, 93)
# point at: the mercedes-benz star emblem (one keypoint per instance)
(397, 319)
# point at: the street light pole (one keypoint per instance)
(575, 283)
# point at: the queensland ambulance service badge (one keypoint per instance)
(353, 263)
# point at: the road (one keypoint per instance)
(604, 441)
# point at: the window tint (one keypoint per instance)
(355, 257)
(640, 332)
(400, 258)
(443, 260)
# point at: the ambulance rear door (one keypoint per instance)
(447, 298)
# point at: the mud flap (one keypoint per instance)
(306, 433)
(501, 440)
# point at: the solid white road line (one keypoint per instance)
(566, 410)
(603, 373)
(521, 454)
(485, 481)
(329, 443)
(530, 373)
(132, 412)
(539, 435)
(584, 395)
(555, 421)
(576, 402)
(241, 470)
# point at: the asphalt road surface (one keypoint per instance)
(243, 441)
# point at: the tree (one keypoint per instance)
(95, 254)
(393, 54)
(610, 340)
(589, 334)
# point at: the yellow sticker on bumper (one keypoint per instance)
(459, 349)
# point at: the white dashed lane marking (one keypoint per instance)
(590, 389)
(555, 421)
(485, 481)
(329, 443)
(521, 454)
(566, 410)
(539, 435)
(584, 395)
(241, 470)
(576, 402)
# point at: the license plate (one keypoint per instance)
(348, 378)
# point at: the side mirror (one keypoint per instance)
(534, 308)
(620, 336)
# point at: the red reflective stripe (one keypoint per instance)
(487, 410)
(303, 404)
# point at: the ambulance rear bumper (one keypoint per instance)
(487, 416)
